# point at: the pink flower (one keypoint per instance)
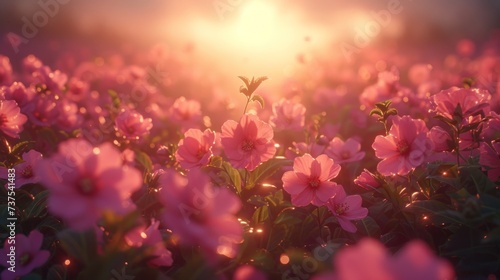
(489, 158)
(367, 180)
(440, 138)
(370, 260)
(48, 80)
(405, 148)
(288, 115)
(314, 149)
(69, 117)
(11, 120)
(132, 125)
(19, 93)
(5, 71)
(27, 255)
(195, 150)
(90, 180)
(248, 272)
(185, 112)
(472, 101)
(150, 236)
(309, 182)
(348, 151)
(367, 260)
(42, 110)
(200, 214)
(25, 174)
(247, 143)
(415, 261)
(346, 208)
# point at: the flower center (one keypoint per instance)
(201, 152)
(247, 145)
(27, 172)
(403, 147)
(86, 187)
(345, 154)
(314, 183)
(25, 259)
(341, 208)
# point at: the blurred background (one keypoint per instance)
(244, 36)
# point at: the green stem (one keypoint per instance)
(246, 106)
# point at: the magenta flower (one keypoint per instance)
(19, 93)
(28, 255)
(370, 260)
(346, 208)
(69, 117)
(440, 138)
(489, 158)
(247, 143)
(25, 174)
(132, 125)
(348, 151)
(405, 148)
(195, 150)
(367, 180)
(89, 179)
(200, 214)
(249, 272)
(288, 115)
(472, 101)
(185, 112)
(150, 236)
(42, 110)
(415, 261)
(11, 119)
(5, 71)
(309, 182)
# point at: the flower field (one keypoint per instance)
(139, 163)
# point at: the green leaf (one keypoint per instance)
(38, 207)
(266, 170)
(257, 200)
(261, 215)
(79, 245)
(376, 112)
(369, 227)
(21, 147)
(144, 160)
(57, 272)
(439, 212)
(259, 99)
(287, 216)
(215, 161)
(115, 99)
(391, 111)
(234, 176)
(245, 80)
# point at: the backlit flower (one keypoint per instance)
(405, 148)
(471, 101)
(346, 208)
(200, 214)
(84, 181)
(288, 115)
(150, 236)
(26, 256)
(247, 143)
(11, 120)
(195, 149)
(131, 124)
(309, 182)
(348, 151)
